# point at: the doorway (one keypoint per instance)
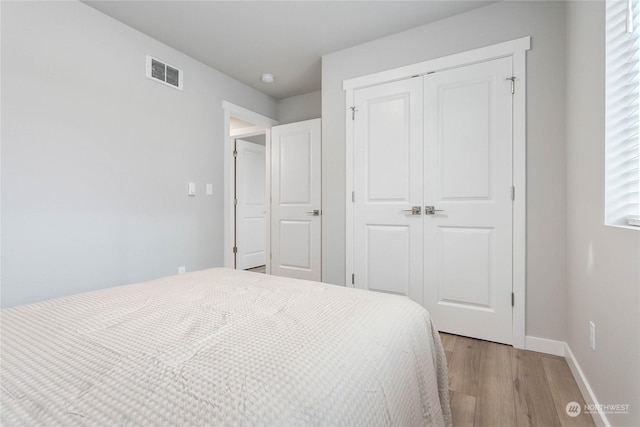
(250, 207)
(292, 182)
(255, 130)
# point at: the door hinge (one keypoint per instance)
(353, 112)
(235, 249)
(353, 279)
(513, 193)
(353, 197)
(513, 299)
(235, 202)
(513, 84)
(235, 153)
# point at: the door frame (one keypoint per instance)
(262, 124)
(517, 50)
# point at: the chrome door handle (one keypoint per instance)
(431, 210)
(315, 212)
(415, 210)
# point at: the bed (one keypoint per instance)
(223, 347)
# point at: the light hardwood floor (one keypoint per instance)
(497, 385)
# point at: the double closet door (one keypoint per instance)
(433, 195)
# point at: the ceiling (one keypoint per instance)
(244, 39)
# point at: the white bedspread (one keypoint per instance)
(221, 347)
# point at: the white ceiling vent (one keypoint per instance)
(164, 73)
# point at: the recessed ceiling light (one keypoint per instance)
(267, 78)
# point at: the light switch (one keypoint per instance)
(191, 190)
(209, 189)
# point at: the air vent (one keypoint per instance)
(164, 73)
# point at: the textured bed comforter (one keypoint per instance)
(222, 347)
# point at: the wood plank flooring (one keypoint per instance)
(261, 269)
(497, 385)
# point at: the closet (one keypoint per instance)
(432, 194)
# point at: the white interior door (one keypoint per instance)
(251, 208)
(296, 208)
(441, 143)
(468, 178)
(388, 189)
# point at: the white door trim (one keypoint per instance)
(232, 110)
(515, 48)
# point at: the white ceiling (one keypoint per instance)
(244, 39)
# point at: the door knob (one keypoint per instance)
(431, 210)
(315, 212)
(415, 210)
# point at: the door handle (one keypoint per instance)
(415, 210)
(431, 210)
(315, 212)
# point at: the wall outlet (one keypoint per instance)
(182, 269)
(592, 335)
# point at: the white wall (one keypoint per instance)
(256, 139)
(603, 262)
(499, 22)
(299, 108)
(96, 157)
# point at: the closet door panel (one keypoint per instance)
(468, 179)
(388, 184)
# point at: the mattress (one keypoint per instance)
(223, 347)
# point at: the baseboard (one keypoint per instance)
(561, 348)
(587, 393)
(543, 345)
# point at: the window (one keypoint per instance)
(622, 186)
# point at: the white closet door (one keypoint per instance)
(388, 185)
(296, 209)
(468, 178)
(441, 143)
(251, 210)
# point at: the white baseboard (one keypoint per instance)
(543, 345)
(561, 348)
(587, 393)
